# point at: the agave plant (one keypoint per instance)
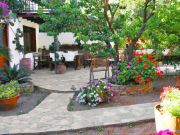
(19, 74)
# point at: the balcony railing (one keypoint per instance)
(31, 7)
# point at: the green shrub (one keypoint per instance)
(21, 75)
(9, 90)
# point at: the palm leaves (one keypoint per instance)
(17, 73)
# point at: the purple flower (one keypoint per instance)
(117, 71)
(4, 6)
(114, 76)
(164, 132)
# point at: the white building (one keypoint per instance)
(28, 21)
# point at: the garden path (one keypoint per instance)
(52, 116)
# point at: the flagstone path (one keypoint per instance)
(51, 115)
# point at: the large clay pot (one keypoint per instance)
(132, 89)
(178, 81)
(61, 69)
(166, 121)
(9, 103)
(26, 62)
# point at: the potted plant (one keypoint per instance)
(9, 95)
(24, 62)
(167, 113)
(95, 93)
(20, 74)
(137, 75)
(60, 67)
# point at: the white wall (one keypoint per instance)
(20, 22)
(64, 38)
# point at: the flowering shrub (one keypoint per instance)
(4, 9)
(164, 132)
(94, 93)
(170, 101)
(141, 70)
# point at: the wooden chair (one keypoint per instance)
(99, 65)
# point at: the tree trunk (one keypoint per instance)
(55, 59)
(117, 52)
(130, 50)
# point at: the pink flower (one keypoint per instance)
(134, 68)
(164, 132)
(117, 71)
(128, 66)
(4, 6)
(114, 76)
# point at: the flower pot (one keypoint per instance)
(132, 89)
(61, 69)
(166, 121)
(9, 103)
(26, 62)
(178, 81)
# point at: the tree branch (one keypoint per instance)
(106, 9)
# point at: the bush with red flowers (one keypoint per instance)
(141, 70)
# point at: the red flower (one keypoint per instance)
(128, 40)
(145, 66)
(139, 76)
(149, 57)
(137, 44)
(142, 40)
(142, 82)
(154, 61)
(148, 79)
(139, 59)
(136, 80)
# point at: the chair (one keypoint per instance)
(86, 59)
(99, 65)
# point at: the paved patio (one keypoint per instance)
(71, 81)
(51, 115)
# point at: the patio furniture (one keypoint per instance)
(69, 57)
(99, 65)
(40, 60)
(86, 59)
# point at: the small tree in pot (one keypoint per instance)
(60, 67)
(25, 62)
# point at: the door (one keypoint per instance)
(3, 43)
(29, 39)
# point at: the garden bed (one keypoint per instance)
(27, 102)
(125, 100)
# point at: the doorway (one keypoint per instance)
(3, 44)
(29, 39)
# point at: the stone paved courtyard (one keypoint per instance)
(51, 115)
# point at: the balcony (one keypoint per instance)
(30, 9)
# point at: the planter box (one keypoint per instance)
(132, 89)
(8, 104)
(166, 121)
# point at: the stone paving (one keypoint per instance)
(63, 82)
(52, 115)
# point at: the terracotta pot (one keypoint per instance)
(132, 89)
(61, 69)
(166, 121)
(9, 103)
(178, 81)
(26, 62)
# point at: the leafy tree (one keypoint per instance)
(163, 27)
(110, 21)
(61, 18)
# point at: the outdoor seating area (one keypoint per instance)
(89, 67)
